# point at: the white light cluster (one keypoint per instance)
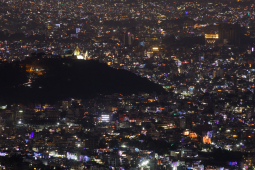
(144, 163)
(105, 118)
(71, 156)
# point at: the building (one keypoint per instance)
(211, 39)
(128, 39)
(91, 143)
(79, 54)
(183, 123)
(230, 34)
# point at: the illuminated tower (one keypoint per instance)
(76, 51)
(86, 55)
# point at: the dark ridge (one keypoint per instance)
(66, 78)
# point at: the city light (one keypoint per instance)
(105, 118)
(144, 163)
(127, 84)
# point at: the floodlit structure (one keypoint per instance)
(155, 49)
(211, 39)
(105, 118)
(206, 140)
(78, 54)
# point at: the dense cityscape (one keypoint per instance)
(127, 85)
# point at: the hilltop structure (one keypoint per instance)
(78, 54)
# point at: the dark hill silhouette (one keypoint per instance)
(66, 78)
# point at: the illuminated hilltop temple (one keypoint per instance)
(77, 53)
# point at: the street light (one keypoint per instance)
(144, 163)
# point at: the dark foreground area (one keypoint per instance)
(54, 79)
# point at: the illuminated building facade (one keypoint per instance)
(105, 118)
(72, 156)
(211, 39)
(206, 140)
(193, 135)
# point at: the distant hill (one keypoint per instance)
(64, 78)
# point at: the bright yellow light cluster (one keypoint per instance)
(212, 36)
(155, 48)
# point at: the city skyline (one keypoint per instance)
(127, 84)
